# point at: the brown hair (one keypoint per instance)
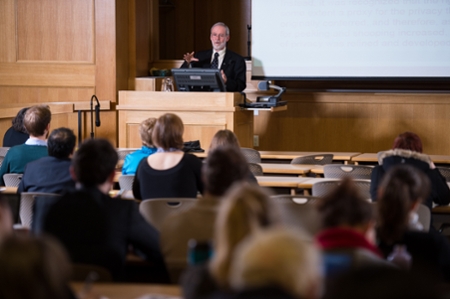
(33, 267)
(245, 209)
(224, 166)
(168, 132)
(408, 141)
(345, 205)
(146, 130)
(402, 186)
(36, 119)
(224, 137)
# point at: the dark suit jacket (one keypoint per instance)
(97, 229)
(48, 174)
(233, 66)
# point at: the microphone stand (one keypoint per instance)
(249, 28)
(92, 114)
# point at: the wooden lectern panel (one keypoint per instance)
(203, 114)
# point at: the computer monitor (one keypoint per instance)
(198, 79)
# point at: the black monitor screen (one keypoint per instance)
(198, 79)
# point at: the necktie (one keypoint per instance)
(215, 62)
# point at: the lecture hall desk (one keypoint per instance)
(373, 159)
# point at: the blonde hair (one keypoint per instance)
(224, 137)
(281, 257)
(245, 209)
(146, 130)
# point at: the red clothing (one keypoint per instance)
(335, 238)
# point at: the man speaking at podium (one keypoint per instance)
(231, 64)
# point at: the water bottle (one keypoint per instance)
(400, 257)
(198, 252)
(167, 84)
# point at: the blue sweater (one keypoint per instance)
(132, 160)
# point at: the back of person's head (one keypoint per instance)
(36, 268)
(345, 206)
(36, 120)
(408, 141)
(168, 132)
(94, 162)
(278, 257)
(146, 131)
(383, 282)
(61, 143)
(402, 187)
(17, 122)
(245, 209)
(224, 166)
(224, 137)
(6, 218)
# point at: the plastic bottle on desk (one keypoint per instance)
(400, 257)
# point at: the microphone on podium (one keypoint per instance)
(97, 114)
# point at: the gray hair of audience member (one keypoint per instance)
(227, 30)
(168, 132)
(278, 257)
(224, 137)
(6, 218)
(245, 209)
(17, 122)
(146, 130)
(61, 143)
(224, 166)
(94, 162)
(36, 120)
(33, 267)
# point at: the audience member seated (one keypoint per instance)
(6, 218)
(169, 172)
(347, 237)
(51, 174)
(224, 166)
(34, 268)
(37, 123)
(16, 134)
(401, 191)
(132, 160)
(278, 263)
(227, 137)
(245, 210)
(93, 227)
(407, 149)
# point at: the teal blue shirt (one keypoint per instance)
(132, 160)
(18, 156)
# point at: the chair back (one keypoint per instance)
(126, 182)
(445, 171)
(3, 151)
(318, 159)
(256, 169)
(156, 210)
(26, 206)
(298, 211)
(339, 171)
(83, 272)
(12, 179)
(122, 152)
(320, 189)
(252, 155)
(1, 160)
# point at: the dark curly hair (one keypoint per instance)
(61, 143)
(17, 122)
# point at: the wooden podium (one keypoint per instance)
(203, 114)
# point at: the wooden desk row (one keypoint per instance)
(373, 158)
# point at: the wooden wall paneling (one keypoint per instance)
(7, 31)
(364, 122)
(106, 77)
(55, 30)
(140, 27)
